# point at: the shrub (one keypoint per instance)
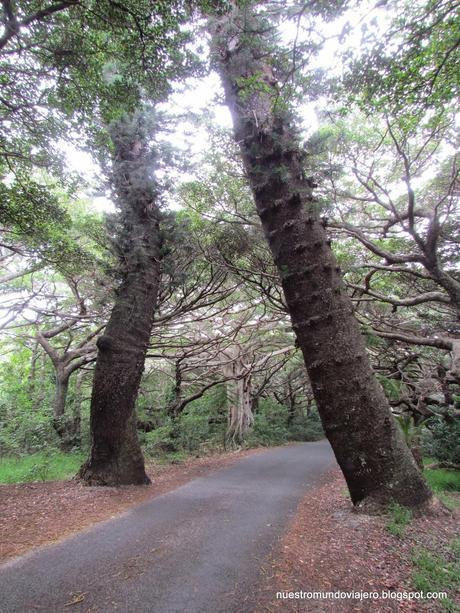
(193, 428)
(270, 424)
(443, 440)
(159, 441)
(306, 428)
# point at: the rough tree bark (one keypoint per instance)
(116, 457)
(376, 462)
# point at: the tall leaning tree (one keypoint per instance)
(375, 461)
(116, 457)
(68, 70)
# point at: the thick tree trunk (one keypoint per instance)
(445, 280)
(116, 457)
(355, 414)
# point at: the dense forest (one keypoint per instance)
(230, 224)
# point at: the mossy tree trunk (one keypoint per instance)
(356, 416)
(116, 457)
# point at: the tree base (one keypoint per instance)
(110, 475)
(378, 505)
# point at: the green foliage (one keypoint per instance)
(159, 441)
(438, 572)
(90, 65)
(392, 389)
(200, 427)
(23, 427)
(445, 483)
(26, 407)
(42, 222)
(306, 427)
(442, 441)
(414, 65)
(253, 85)
(410, 431)
(203, 424)
(194, 428)
(272, 426)
(43, 466)
(400, 518)
(172, 457)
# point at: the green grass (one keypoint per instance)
(40, 467)
(443, 480)
(434, 572)
(173, 457)
(400, 518)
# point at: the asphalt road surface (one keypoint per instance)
(197, 549)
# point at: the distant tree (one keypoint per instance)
(68, 358)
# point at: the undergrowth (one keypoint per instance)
(40, 466)
(400, 518)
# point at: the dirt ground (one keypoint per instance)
(35, 514)
(330, 547)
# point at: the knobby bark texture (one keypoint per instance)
(116, 457)
(375, 460)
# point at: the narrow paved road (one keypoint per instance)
(197, 549)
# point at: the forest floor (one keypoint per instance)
(329, 547)
(36, 514)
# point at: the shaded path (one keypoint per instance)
(197, 549)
